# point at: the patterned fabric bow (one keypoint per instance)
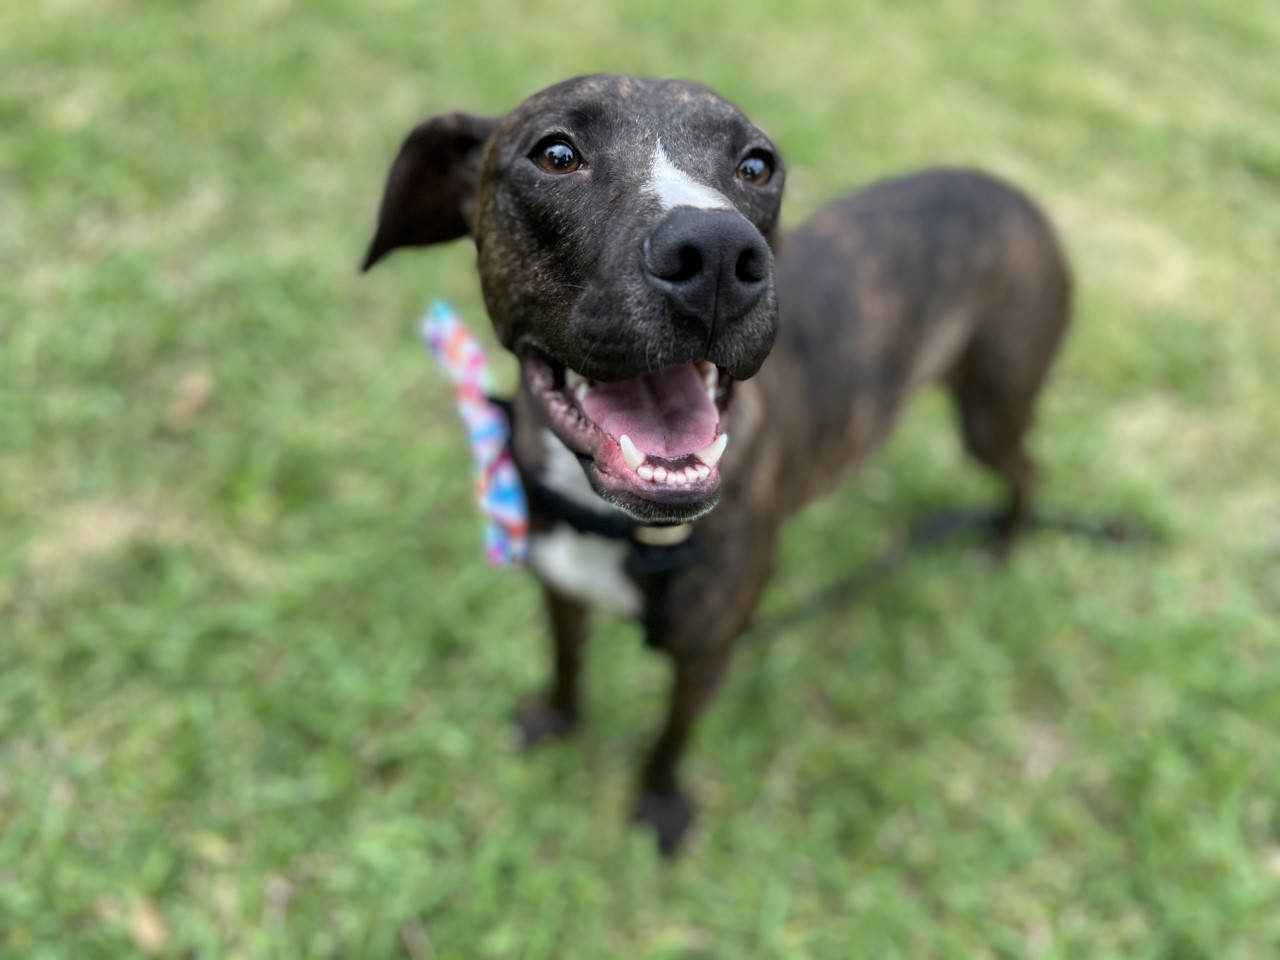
(497, 483)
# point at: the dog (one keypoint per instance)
(688, 381)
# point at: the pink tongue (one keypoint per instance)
(667, 414)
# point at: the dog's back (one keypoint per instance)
(944, 275)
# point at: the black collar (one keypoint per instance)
(646, 559)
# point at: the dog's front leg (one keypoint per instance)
(701, 615)
(554, 713)
(662, 803)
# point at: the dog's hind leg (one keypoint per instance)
(997, 378)
(994, 434)
(555, 712)
(995, 384)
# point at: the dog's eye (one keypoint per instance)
(756, 168)
(556, 156)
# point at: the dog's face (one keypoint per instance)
(623, 230)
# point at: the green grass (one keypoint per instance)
(255, 679)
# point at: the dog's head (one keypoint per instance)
(623, 229)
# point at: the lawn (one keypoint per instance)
(256, 679)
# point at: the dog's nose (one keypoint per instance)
(712, 265)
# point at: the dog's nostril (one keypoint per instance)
(752, 267)
(690, 265)
(676, 263)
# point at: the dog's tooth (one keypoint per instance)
(711, 455)
(630, 453)
(692, 474)
(703, 471)
(660, 474)
(711, 380)
(645, 471)
(576, 384)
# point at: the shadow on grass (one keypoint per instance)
(959, 527)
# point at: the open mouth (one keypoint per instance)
(652, 443)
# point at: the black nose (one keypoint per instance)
(712, 265)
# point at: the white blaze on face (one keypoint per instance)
(675, 188)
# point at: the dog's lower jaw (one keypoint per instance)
(651, 512)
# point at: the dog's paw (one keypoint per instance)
(670, 815)
(538, 720)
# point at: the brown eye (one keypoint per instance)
(756, 169)
(556, 156)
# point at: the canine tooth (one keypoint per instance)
(645, 471)
(711, 455)
(580, 391)
(572, 378)
(660, 474)
(629, 452)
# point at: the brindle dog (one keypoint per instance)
(626, 233)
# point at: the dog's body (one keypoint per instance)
(624, 230)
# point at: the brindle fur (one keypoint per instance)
(946, 275)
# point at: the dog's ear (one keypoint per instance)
(431, 189)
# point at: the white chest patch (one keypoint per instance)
(675, 188)
(587, 568)
(583, 566)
